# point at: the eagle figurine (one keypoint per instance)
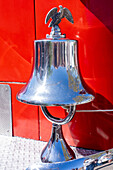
(57, 16)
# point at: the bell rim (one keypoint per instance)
(56, 104)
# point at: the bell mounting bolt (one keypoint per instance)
(56, 19)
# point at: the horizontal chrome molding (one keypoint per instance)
(10, 82)
(106, 110)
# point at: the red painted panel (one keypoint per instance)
(93, 29)
(17, 32)
(13, 67)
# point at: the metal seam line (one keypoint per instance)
(12, 82)
(105, 110)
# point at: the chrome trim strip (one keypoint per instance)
(12, 82)
(106, 110)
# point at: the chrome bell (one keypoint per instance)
(55, 81)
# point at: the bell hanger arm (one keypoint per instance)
(56, 120)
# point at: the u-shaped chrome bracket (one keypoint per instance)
(56, 120)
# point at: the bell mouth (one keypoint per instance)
(55, 104)
(56, 99)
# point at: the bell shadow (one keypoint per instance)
(101, 103)
(102, 9)
(93, 130)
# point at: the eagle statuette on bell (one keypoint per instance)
(56, 19)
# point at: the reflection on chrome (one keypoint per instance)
(55, 79)
(96, 161)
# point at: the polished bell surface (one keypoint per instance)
(55, 78)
